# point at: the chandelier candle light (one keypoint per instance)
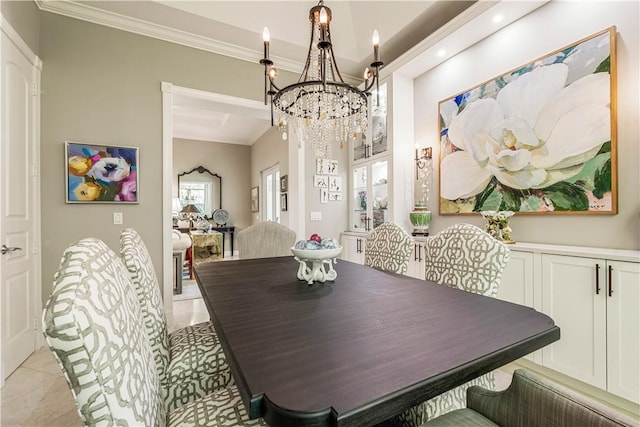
(321, 106)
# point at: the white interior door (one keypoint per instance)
(19, 271)
(271, 198)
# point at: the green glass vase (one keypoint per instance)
(420, 218)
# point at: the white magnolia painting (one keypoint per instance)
(538, 139)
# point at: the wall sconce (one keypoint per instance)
(421, 161)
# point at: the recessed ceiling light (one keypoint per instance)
(497, 18)
(442, 52)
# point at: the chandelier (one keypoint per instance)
(320, 107)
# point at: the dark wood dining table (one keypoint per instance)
(357, 351)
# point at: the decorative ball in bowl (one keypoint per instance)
(321, 254)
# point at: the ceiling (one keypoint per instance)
(235, 28)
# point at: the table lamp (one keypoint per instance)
(191, 211)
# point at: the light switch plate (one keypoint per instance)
(315, 216)
(117, 217)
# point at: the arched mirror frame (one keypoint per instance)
(202, 169)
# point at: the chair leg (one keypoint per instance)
(177, 265)
(189, 257)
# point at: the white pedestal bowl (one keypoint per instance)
(320, 259)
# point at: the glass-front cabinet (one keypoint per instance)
(382, 169)
(370, 195)
(374, 142)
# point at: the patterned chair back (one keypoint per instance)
(92, 324)
(265, 239)
(388, 247)
(465, 257)
(137, 260)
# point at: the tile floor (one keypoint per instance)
(37, 395)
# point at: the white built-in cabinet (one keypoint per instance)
(370, 169)
(595, 302)
(381, 164)
(353, 247)
(416, 261)
(593, 295)
(370, 194)
(517, 285)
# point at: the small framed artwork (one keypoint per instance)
(324, 195)
(335, 183)
(283, 202)
(326, 167)
(255, 199)
(100, 173)
(284, 183)
(322, 166)
(320, 181)
(335, 196)
(333, 167)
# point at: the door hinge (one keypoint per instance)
(34, 90)
(35, 323)
(34, 169)
(34, 248)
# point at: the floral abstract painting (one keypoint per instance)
(101, 173)
(539, 139)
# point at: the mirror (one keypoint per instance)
(202, 188)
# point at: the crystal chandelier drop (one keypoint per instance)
(320, 107)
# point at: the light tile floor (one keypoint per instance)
(37, 395)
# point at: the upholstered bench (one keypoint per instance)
(531, 400)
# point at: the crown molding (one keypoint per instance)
(94, 15)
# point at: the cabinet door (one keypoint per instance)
(516, 285)
(379, 120)
(352, 249)
(359, 197)
(379, 192)
(374, 141)
(369, 195)
(623, 329)
(573, 295)
(416, 262)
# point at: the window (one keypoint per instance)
(271, 199)
(198, 194)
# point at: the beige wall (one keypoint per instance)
(536, 35)
(103, 86)
(231, 161)
(335, 214)
(271, 149)
(24, 18)
(265, 153)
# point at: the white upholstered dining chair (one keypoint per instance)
(92, 322)
(462, 256)
(388, 247)
(265, 239)
(190, 361)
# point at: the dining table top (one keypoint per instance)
(361, 349)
